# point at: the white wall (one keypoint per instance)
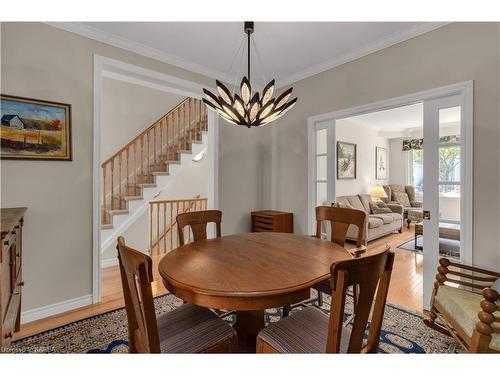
(366, 140)
(242, 171)
(398, 162)
(128, 109)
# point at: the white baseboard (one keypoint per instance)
(105, 263)
(56, 308)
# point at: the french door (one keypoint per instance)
(445, 179)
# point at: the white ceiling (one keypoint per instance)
(402, 119)
(289, 51)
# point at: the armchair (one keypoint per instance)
(412, 208)
(471, 316)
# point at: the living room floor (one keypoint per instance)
(406, 285)
(405, 289)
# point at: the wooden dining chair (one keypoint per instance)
(198, 221)
(340, 220)
(187, 329)
(312, 331)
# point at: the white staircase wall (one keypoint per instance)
(186, 180)
(127, 109)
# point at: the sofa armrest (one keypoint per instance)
(416, 204)
(396, 208)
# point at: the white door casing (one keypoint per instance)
(119, 70)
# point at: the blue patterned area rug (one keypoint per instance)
(402, 332)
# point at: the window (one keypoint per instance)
(417, 171)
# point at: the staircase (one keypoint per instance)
(141, 169)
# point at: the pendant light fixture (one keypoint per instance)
(249, 108)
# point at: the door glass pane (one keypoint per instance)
(321, 193)
(449, 163)
(321, 141)
(449, 203)
(449, 154)
(321, 168)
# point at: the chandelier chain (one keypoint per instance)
(259, 60)
(239, 54)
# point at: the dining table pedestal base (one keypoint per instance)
(248, 325)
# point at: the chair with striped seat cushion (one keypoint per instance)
(192, 329)
(305, 331)
(312, 331)
(188, 329)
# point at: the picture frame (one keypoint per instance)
(380, 163)
(346, 160)
(34, 129)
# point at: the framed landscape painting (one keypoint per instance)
(34, 129)
(346, 160)
(380, 163)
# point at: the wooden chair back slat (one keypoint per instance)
(198, 221)
(136, 271)
(340, 219)
(370, 275)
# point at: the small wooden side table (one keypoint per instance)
(272, 221)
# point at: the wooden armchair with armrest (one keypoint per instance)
(470, 311)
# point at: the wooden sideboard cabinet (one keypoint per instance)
(272, 221)
(10, 273)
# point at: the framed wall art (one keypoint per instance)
(34, 129)
(346, 160)
(381, 163)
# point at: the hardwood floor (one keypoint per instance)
(406, 282)
(405, 289)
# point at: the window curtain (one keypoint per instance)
(413, 144)
(418, 143)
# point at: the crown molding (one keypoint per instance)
(139, 48)
(376, 46)
(153, 53)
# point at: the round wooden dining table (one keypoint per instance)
(249, 273)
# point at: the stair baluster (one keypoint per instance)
(171, 134)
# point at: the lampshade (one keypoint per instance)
(378, 192)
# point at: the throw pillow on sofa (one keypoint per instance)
(379, 208)
(402, 198)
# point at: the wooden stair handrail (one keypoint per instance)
(171, 225)
(136, 138)
(149, 154)
(168, 228)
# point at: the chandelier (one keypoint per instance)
(249, 108)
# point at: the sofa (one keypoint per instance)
(412, 209)
(376, 225)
